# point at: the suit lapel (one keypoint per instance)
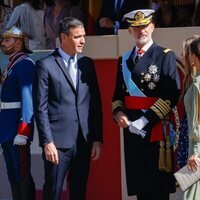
(129, 62)
(61, 64)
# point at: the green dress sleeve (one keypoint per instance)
(195, 133)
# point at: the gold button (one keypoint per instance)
(142, 89)
(142, 81)
(142, 73)
(168, 102)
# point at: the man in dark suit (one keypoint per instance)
(147, 88)
(112, 13)
(68, 113)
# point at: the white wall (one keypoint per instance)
(113, 46)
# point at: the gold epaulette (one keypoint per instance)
(166, 50)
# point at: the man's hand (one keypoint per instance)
(51, 153)
(20, 140)
(96, 150)
(122, 119)
(106, 22)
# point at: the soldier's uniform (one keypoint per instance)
(149, 88)
(16, 117)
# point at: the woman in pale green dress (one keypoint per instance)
(192, 106)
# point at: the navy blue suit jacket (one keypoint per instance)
(60, 109)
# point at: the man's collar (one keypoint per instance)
(64, 54)
(146, 46)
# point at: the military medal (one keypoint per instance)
(153, 69)
(151, 85)
(152, 77)
(147, 77)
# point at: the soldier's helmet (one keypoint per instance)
(16, 32)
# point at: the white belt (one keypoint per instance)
(10, 105)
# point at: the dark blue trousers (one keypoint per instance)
(73, 162)
(18, 164)
(18, 161)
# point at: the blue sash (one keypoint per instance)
(131, 86)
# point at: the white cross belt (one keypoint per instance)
(9, 105)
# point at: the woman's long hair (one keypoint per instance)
(188, 66)
(195, 47)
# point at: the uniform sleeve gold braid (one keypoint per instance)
(163, 106)
(160, 107)
(166, 102)
(116, 104)
(157, 111)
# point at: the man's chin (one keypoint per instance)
(79, 51)
(5, 52)
(142, 41)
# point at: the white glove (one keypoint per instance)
(20, 140)
(140, 123)
(136, 131)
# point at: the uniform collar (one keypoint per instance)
(16, 55)
(146, 46)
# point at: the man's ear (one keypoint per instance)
(153, 25)
(129, 29)
(18, 43)
(63, 36)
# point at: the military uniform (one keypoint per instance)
(156, 84)
(16, 116)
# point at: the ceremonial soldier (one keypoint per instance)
(147, 88)
(16, 114)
